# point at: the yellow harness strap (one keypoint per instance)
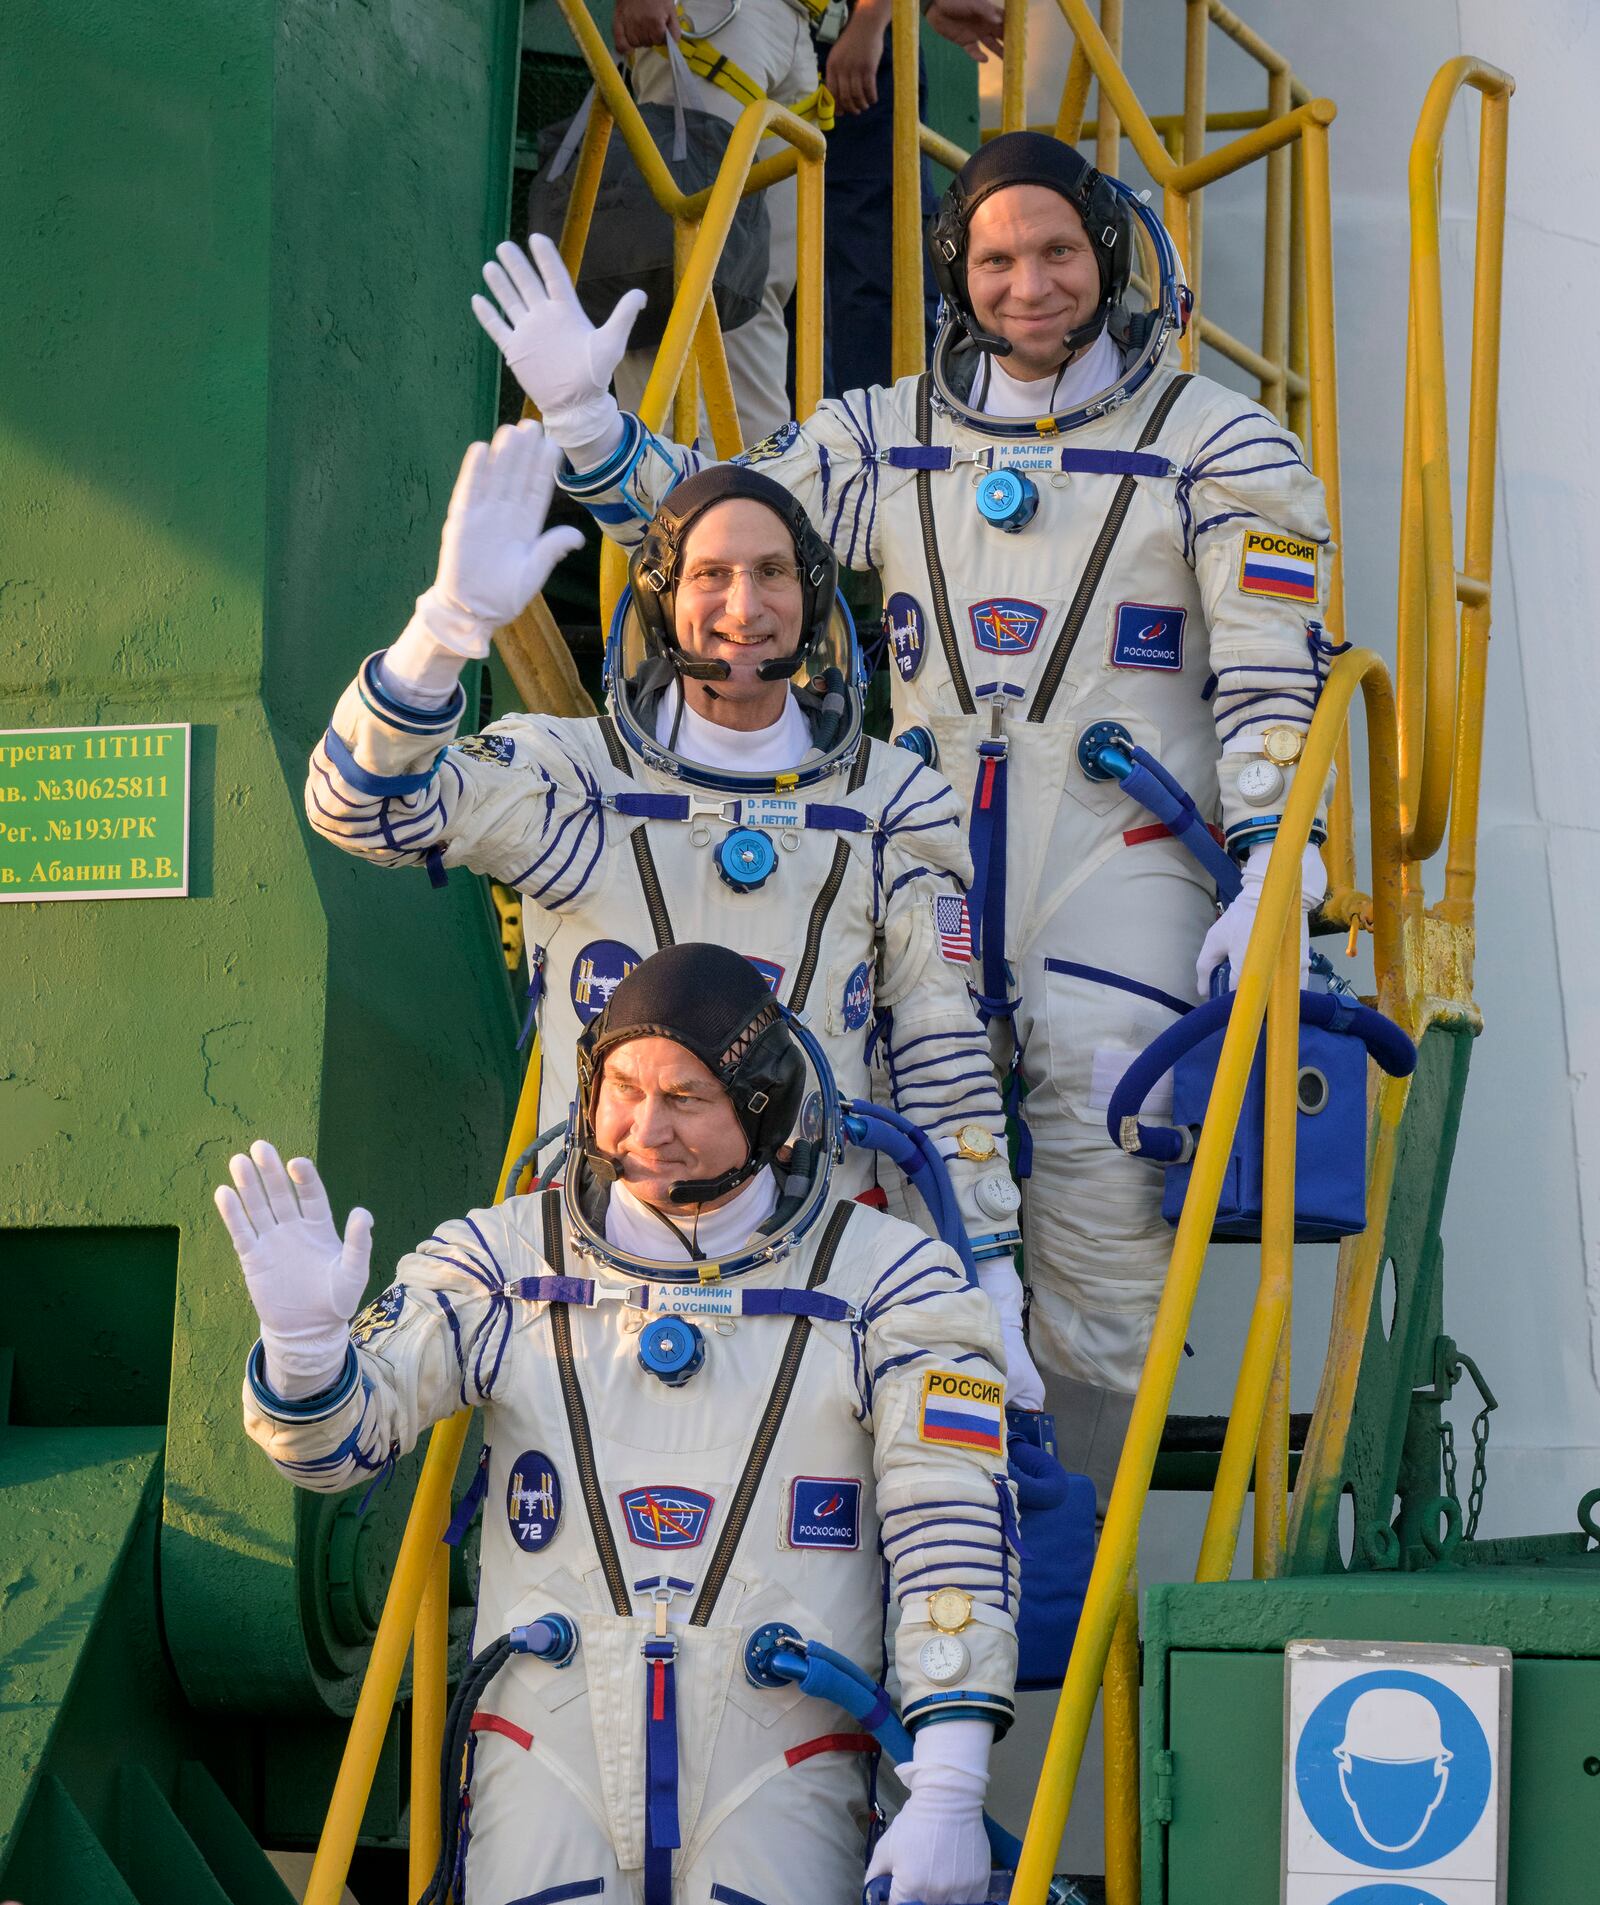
(705, 60)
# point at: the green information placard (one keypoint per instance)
(94, 813)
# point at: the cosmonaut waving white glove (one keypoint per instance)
(562, 361)
(304, 1282)
(495, 555)
(937, 1850)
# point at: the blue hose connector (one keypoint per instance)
(553, 1638)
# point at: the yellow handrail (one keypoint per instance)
(416, 1608)
(1428, 663)
(1277, 919)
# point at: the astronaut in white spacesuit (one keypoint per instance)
(711, 1387)
(1069, 531)
(729, 796)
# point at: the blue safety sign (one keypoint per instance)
(1388, 1895)
(1393, 1770)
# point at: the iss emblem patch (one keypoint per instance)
(381, 1314)
(533, 1501)
(904, 631)
(499, 750)
(1005, 625)
(824, 1512)
(662, 1517)
(769, 447)
(597, 971)
(1148, 636)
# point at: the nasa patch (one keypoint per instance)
(1146, 635)
(381, 1314)
(597, 971)
(533, 1501)
(770, 970)
(905, 633)
(662, 1517)
(499, 750)
(856, 1004)
(1004, 625)
(769, 447)
(811, 1117)
(824, 1512)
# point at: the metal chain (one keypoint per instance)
(1480, 1471)
(1480, 1468)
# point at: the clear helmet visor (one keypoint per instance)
(644, 691)
(1142, 338)
(803, 1171)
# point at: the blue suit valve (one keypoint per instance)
(760, 1648)
(552, 1638)
(1105, 751)
(745, 860)
(1007, 500)
(671, 1349)
(920, 742)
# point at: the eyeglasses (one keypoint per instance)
(712, 579)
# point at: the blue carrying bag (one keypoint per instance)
(1337, 1035)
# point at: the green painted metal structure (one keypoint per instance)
(237, 379)
(239, 372)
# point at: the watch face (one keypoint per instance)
(950, 1609)
(1283, 745)
(997, 1196)
(943, 1658)
(1259, 781)
(972, 1141)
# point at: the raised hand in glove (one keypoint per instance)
(937, 1850)
(562, 361)
(304, 1282)
(1230, 935)
(495, 555)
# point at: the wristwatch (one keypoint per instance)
(1259, 781)
(975, 1142)
(950, 1609)
(943, 1658)
(1283, 746)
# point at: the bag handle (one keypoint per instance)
(1388, 1046)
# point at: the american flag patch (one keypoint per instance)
(953, 924)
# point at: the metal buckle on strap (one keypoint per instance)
(664, 1590)
(701, 807)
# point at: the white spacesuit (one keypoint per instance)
(842, 1405)
(827, 865)
(1151, 553)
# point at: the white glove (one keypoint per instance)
(1231, 933)
(937, 1850)
(560, 359)
(304, 1283)
(495, 555)
(998, 1279)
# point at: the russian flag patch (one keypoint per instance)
(963, 1412)
(1279, 566)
